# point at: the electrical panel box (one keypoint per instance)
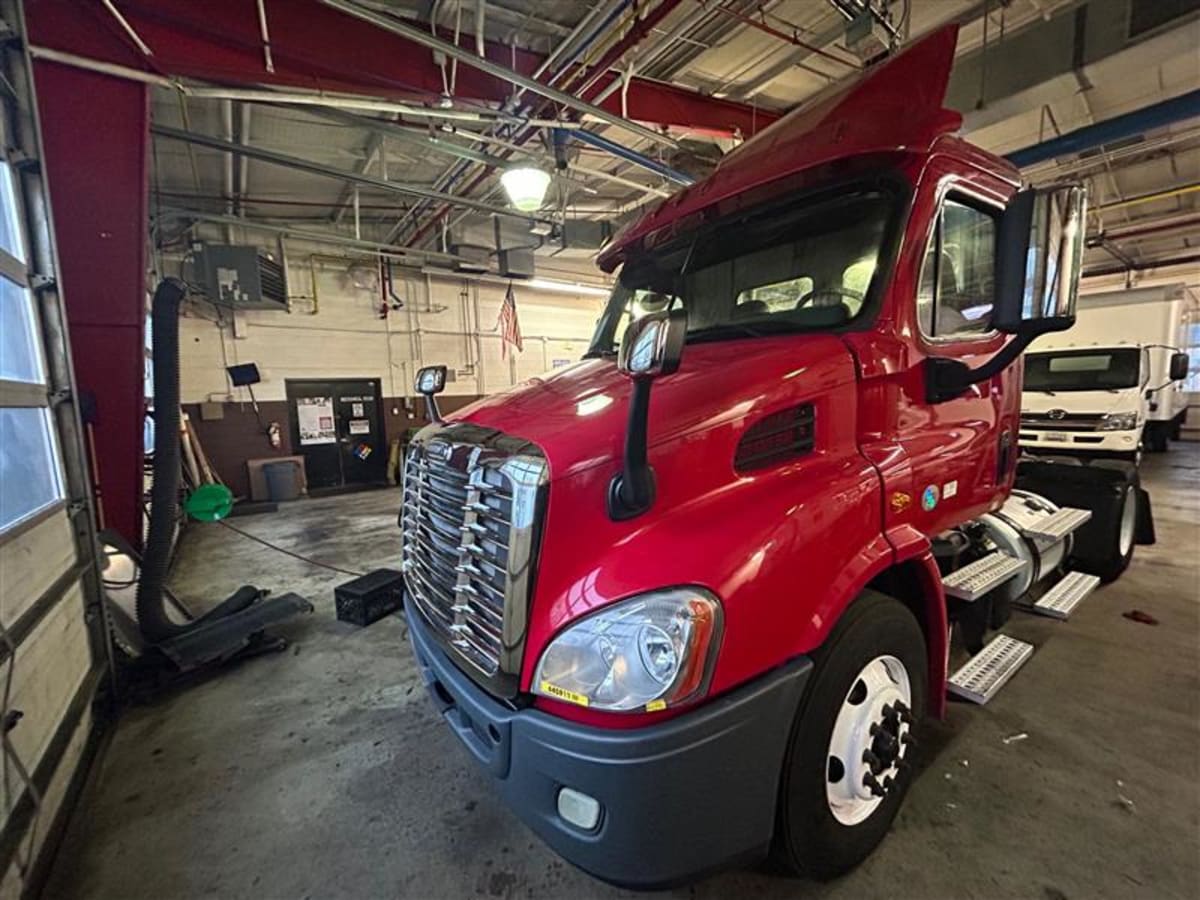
(516, 263)
(866, 37)
(241, 277)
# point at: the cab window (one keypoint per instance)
(957, 286)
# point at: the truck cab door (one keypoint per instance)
(962, 452)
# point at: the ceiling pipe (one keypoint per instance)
(451, 175)
(649, 56)
(634, 36)
(243, 182)
(304, 165)
(300, 234)
(1142, 229)
(1148, 198)
(416, 35)
(480, 18)
(777, 33)
(1143, 266)
(638, 159)
(1109, 131)
(228, 162)
(456, 170)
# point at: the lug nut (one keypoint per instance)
(872, 760)
(870, 782)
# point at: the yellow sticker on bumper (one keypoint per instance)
(553, 690)
(656, 705)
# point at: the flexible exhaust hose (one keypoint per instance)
(164, 494)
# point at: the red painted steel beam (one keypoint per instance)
(317, 48)
(94, 138)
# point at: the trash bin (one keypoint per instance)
(282, 481)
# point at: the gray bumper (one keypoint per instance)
(679, 798)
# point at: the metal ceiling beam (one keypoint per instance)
(1157, 115)
(300, 234)
(318, 49)
(314, 168)
(466, 57)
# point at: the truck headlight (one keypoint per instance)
(1118, 422)
(646, 652)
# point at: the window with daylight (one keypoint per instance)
(30, 474)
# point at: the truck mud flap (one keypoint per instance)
(1144, 533)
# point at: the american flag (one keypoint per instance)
(510, 328)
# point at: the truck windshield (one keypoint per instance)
(808, 267)
(1083, 370)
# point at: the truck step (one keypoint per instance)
(975, 579)
(1060, 601)
(982, 676)
(1058, 525)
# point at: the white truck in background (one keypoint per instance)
(1111, 385)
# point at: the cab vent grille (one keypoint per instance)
(775, 439)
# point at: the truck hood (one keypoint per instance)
(1096, 403)
(578, 415)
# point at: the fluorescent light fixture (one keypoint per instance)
(565, 287)
(525, 186)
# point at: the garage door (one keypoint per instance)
(52, 632)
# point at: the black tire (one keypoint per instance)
(1117, 561)
(1155, 437)
(809, 840)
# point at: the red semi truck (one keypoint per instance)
(689, 600)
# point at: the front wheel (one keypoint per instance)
(847, 766)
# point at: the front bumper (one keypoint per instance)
(678, 798)
(1081, 441)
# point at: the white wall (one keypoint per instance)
(340, 334)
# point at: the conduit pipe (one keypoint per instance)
(496, 70)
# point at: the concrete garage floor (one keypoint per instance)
(326, 773)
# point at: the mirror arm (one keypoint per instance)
(946, 378)
(631, 491)
(431, 410)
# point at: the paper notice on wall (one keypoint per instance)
(360, 426)
(314, 416)
(356, 409)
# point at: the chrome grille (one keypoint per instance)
(1064, 422)
(470, 509)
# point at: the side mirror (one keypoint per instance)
(1039, 259)
(1179, 366)
(651, 346)
(431, 381)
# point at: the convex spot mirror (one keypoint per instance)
(1039, 257)
(431, 380)
(1179, 366)
(653, 344)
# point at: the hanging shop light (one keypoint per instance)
(525, 186)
